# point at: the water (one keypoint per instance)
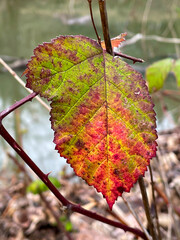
(25, 24)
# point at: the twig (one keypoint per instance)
(23, 84)
(118, 213)
(137, 218)
(106, 32)
(168, 194)
(16, 105)
(70, 206)
(44, 177)
(154, 202)
(18, 133)
(140, 36)
(17, 127)
(147, 208)
(134, 59)
(104, 21)
(92, 19)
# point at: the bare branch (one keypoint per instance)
(140, 36)
(137, 218)
(147, 208)
(134, 59)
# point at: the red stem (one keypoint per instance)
(7, 111)
(44, 177)
(134, 59)
(104, 21)
(70, 206)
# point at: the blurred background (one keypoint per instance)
(24, 24)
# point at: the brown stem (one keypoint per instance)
(134, 59)
(18, 126)
(147, 208)
(104, 21)
(18, 133)
(154, 200)
(92, 19)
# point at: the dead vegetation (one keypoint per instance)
(25, 216)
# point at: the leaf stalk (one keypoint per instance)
(134, 59)
(104, 21)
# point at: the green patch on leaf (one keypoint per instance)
(37, 186)
(102, 114)
(156, 74)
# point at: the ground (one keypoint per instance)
(25, 216)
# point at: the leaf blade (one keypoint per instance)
(101, 113)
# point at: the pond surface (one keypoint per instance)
(25, 24)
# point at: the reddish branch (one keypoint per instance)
(44, 177)
(134, 59)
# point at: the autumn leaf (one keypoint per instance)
(102, 114)
(115, 42)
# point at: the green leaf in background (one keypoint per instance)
(157, 73)
(176, 71)
(38, 186)
(67, 224)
